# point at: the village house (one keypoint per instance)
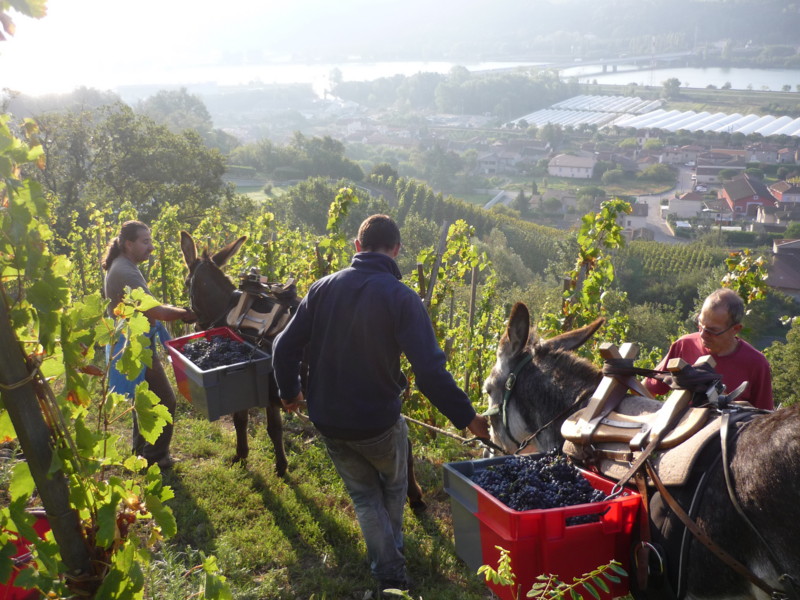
(680, 155)
(568, 165)
(788, 156)
(709, 164)
(634, 225)
(785, 192)
(744, 194)
(716, 211)
(763, 152)
(687, 206)
(784, 268)
(511, 157)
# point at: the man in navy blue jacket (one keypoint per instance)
(353, 326)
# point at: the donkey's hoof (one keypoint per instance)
(281, 470)
(238, 461)
(419, 506)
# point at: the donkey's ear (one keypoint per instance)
(575, 338)
(221, 257)
(519, 327)
(188, 248)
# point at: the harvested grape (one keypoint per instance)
(216, 351)
(536, 482)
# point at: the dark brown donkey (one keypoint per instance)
(763, 467)
(210, 295)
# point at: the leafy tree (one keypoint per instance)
(507, 264)
(654, 144)
(657, 172)
(111, 155)
(755, 172)
(552, 134)
(612, 176)
(591, 192)
(178, 110)
(440, 166)
(303, 157)
(792, 231)
(552, 205)
(384, 170)
(671, 88)
(784, 358)
(522, 204)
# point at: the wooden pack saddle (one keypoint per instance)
(263, 308)
(622, 419)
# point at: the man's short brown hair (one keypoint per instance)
(729, 300)
(377, 233)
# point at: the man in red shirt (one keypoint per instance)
(737, 361)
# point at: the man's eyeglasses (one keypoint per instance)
(704, 329)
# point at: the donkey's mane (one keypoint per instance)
(565, 359)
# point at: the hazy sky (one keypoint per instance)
(102, 43)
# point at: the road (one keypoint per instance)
(654, 221)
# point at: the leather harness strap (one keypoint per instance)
(523, 360)
(641, 552)
(709, 543)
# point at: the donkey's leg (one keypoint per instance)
(275, 432)
(275, 428)
(414, 491)
(242, 447)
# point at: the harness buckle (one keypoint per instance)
(512, 379)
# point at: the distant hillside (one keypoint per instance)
(510, 29)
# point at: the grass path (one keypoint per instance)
(295, 538)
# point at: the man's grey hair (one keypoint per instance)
(729, 300)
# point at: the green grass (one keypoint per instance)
(295, 537)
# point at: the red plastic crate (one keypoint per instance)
(539, 542)
(21, 559)
(222, 390)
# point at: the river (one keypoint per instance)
(319, 75)
(739, 78)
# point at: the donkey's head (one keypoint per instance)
(209, 288)
(535, 380)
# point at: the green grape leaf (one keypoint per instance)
(22, 484)
(143, 300)
(135, 463)
(7, 431)
(106, 520)
(162, 514)
(8, 550)
(151, 414)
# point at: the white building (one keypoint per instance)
(568, 165)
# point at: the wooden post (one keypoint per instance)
(437, 264)
(421, 278)
(33, 433)
(473, 290)
(100, 265)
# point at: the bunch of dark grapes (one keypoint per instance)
(535, 482)
(217, 351)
